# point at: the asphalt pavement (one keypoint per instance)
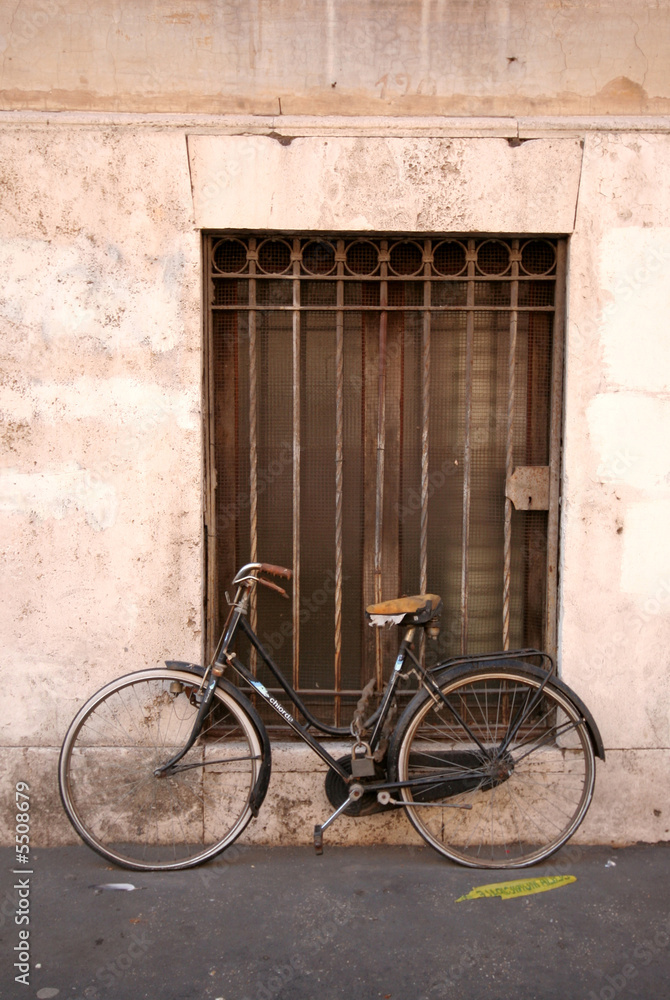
(360, 923)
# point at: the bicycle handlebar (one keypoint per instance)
(249, 571)
(275, 570)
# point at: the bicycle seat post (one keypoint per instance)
(406, 642)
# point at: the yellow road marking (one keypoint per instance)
(518, 887)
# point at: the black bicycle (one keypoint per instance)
(493, 758)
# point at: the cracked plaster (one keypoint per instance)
(362, 58)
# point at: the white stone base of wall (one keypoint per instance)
(629, 805)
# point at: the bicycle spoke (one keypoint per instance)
(131, 815)
(530, 797)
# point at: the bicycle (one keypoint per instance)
(492, 759)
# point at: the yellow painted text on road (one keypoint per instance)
(518, 887)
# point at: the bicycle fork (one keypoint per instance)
(210, 680)
(170, 766)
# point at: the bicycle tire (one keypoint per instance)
(106, 772)
(526, 803)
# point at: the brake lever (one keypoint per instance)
(273, 586)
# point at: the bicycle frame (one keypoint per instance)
(224, 658)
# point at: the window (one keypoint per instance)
(384, 418)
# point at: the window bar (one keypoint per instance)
(339, 459)
(210, 549)
(296, 462)
(425, 408)
(515, 256)
(467, 457)
(236, 435)
(425, 429)
(375, 309)
(551, 638)
(381, 441)
(253, 441)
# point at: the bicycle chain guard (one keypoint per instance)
(338, 791)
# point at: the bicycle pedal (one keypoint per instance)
(362, 764)
(318, 840)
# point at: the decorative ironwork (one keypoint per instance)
(370, 401)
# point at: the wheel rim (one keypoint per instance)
(128, 814)
(525, 803)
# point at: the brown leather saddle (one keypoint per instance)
(415, 610)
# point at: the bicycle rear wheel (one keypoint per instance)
(118, 805)
(526, 800)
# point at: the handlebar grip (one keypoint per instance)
(276, 570)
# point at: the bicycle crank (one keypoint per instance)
(355, 793)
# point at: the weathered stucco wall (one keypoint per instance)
(616, 540)
(385, 184)
(100, 485)
(100, 490)
(351, 57)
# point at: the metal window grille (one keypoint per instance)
(384, 418)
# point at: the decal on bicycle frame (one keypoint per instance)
(262, 690)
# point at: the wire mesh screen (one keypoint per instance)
(382, 418)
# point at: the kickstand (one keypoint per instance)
(355, 793)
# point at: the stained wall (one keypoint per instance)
(110, 170)
(331, 57)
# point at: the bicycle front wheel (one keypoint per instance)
(120, 807)
(495, 800)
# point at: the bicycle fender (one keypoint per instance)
(259, 790)
(452, 673)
